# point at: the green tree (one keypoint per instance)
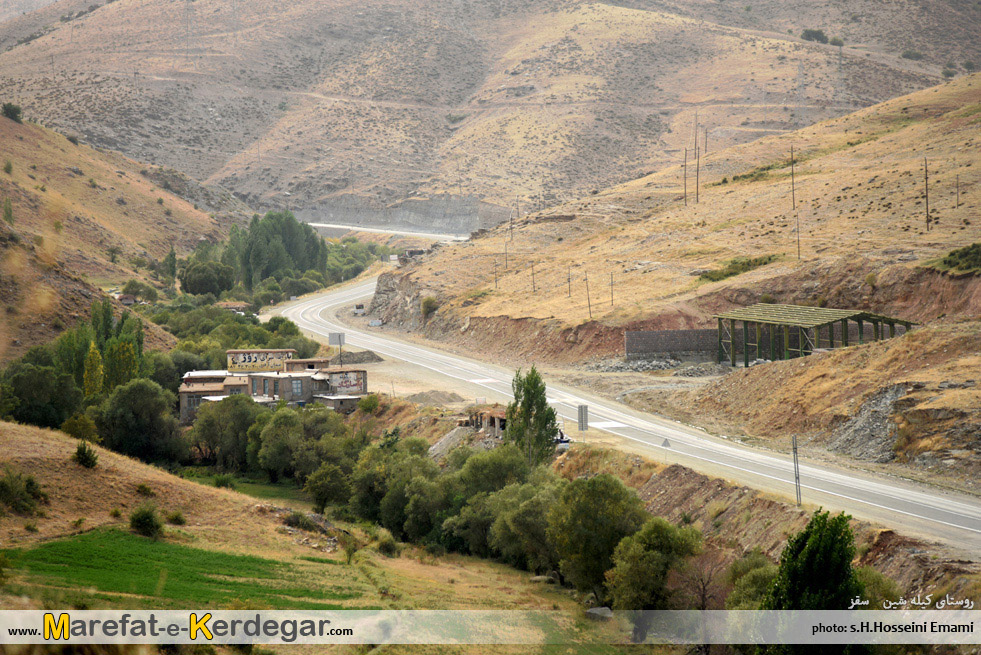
(207, 277)
(141, 290)
(591, 517)
(12, 111)
(521, 519)
(816, 573)
(80, 426)
(750, 577)
(328, 484)
(138, 420)
(40, 395)
(122, 362)
(530, 422)
(102, 322)
(170, 265)
(221, 431)
(279, 437)
(8, 211)
(94, 377)
(114, 252)
(638, 580)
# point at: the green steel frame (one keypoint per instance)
(773, 319)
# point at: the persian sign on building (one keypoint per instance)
(257, 359)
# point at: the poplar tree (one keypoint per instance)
(94, 376)
(530, 422)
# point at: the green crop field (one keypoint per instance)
(112, 567)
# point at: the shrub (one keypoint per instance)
(965, 259)
(350, 544)
(387, 545)
(72, 139)
(20, 493)
(837, 40)
(948, 73)
(144, 521)
(176, 518)
(12, 111)
(8, 167)
(429, 306)
(970, 66)
(115, 513)
(912, 54)
(8, 211)
(77, 523)
(814, 35)
(768, 299)
(870, 280)
(145, 490)
(31, 526)
(737, 266)
(369, 404)
(301, 521)
(85, 455)
(225, 481)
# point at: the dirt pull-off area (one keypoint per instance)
(913, 401)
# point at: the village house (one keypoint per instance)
(297, 382)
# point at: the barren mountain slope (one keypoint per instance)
(372, 103)
(73, 207)
(859, 189)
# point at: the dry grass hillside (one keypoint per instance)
(72, 205)
(859, 189)
(382, 101)
(233, 552)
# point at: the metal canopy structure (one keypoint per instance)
(781, 322)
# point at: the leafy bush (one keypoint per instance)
(12, 111)
(387, 545)
(8, 167)
(429, 306)
(20, 493)
(176, 518)
(225, 481)
(912, 54)
(836, 40)
(116, 513)
(145, 521)
(72, 139)
(814, 35)
(350, 545)
(301, 521)
(948, 73)
(737, 266)
(369, 404)
(145, 490)
(85, 455)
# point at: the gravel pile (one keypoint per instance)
(635, 366)
(703, 370)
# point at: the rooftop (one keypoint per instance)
(801, 316)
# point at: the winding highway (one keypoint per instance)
(914, 509)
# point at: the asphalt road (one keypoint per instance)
(913, 509)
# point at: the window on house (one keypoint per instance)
(275, 387)
(297, 387)
(255, 387)
(265, 386)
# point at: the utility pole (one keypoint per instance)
(495, 276)
(926, 192)
(706, 140)
(570, 281)
(796, 470)
(957, 184)
(533, 288)
(686, 176)
(698, 160)
(611, 289)
(793, 199)
(589, 303)
(505, 255)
